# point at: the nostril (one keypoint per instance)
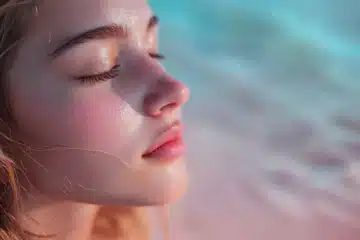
(170, 106)
(168, 95)
(167, 108)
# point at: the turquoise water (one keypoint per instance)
(273, 121)
(303, 54)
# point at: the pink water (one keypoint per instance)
(251, 180)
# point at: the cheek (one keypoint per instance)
(87, 120)
(104, 123)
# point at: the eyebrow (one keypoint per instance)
(104, 32)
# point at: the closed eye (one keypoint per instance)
(112, 73)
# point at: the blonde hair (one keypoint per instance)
(127, 223)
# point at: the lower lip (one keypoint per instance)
(168, 151)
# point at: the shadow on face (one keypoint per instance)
(89, 97)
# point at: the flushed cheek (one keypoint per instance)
(89, 120)
(99, 121)
(103, 123)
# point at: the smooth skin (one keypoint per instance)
(89, 110)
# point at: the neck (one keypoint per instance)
(79, 221)
(58, 219)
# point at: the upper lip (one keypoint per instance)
(171, 133)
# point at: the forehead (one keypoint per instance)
(63, 18)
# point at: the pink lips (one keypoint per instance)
(168, 146)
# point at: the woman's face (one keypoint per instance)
(90, 105)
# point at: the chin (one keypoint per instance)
(166, 184)
(168, 196)
(162, 195)
(157, 194)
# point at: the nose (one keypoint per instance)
(167, 95)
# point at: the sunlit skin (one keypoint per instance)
(88, 134)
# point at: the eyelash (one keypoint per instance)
(113, 72)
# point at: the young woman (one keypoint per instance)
(90, 121)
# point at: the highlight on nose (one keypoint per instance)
(168, 95)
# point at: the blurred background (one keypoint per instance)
(273, 123)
